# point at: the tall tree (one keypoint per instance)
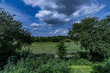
(90, 33)
(12, 35)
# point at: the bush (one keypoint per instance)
(96, 56)
(83, 55)
(102, 67)
(34, 64)
(67, 40)
(61, 50)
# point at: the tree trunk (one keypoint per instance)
(90, 56)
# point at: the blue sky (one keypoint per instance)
(54, 17)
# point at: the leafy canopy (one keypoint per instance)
(12, 35)
(93, 34)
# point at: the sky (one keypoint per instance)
(54, 17)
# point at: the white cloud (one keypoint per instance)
(41, 3)
(43, 13)
(36, 25)
(60, 32)
(93, 8)
(50, 16)
(59, 12)
(77, 21)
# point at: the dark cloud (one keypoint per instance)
(70, 6)
(58, 12)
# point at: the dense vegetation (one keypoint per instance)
(93, 35)
(103, 67)
(88, 51)
(35, 64)
(50, 39)
(12, 36)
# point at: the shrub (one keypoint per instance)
(61, 50)
(102, 67)
(34, 64)
(83, 55)
(67, 40)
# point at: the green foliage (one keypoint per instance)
(61, 50)
(80, 65)
(81, 69)
(12, 36)
(27, 62)
(50, 39)
(67, 40)
(102, 67)
(93, 35)
(36, 64)
(78, 60)
(81, 54)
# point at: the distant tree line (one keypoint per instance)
(50, 39)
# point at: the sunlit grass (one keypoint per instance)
(51, 47)
(80, 69)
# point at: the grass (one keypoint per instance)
(80, 69)
(51, 47)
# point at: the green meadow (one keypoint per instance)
(51, 47)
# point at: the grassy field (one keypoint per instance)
(51, 47)
(81, 69)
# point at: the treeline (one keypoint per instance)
(51, 39)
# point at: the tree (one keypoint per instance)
(91, 33)
(82, 32)
(61, 50)
(12, 35)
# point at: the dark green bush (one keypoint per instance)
(34, 64)
(102, 67)
(78, 60)
(83, 55)
(67, 40)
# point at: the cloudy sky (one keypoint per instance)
(54, 17)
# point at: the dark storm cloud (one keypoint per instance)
(70, 6)
(57, 12)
